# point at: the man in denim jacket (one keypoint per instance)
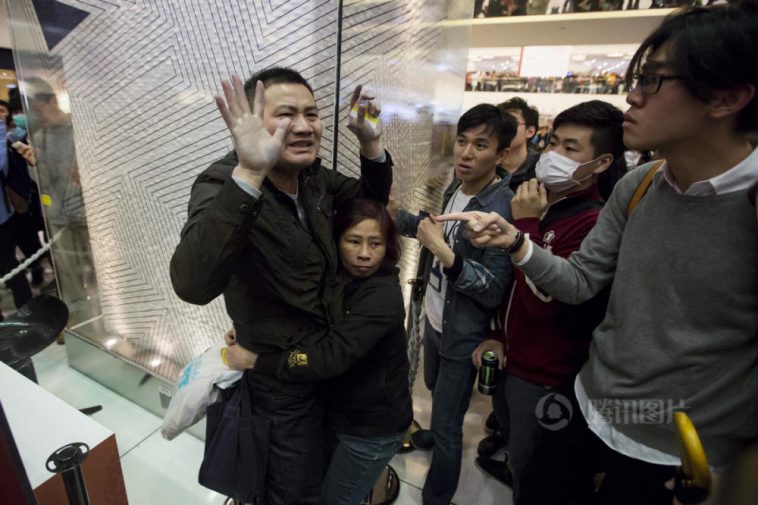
(464, 286)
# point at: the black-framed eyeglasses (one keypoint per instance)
(650, 84)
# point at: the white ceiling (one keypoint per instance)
(590, 28)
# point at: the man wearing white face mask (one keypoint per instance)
(545, 342)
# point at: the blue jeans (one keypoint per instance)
(450, 382)
(356, 464)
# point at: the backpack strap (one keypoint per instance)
(641, 190)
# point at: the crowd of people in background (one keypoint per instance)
(599, 83)
(499, 8)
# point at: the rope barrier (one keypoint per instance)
(413, 329)
(31, 259)
(414, 343)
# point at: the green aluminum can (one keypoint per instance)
(487, 371)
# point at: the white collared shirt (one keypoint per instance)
(738, 178)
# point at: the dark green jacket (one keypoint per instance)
(278, 278)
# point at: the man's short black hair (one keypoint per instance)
(530, 114)
(606, 121)
(496, 122)
(274, 75)
(710, 48)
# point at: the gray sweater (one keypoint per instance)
(680, 329)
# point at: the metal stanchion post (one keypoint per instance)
(67, 461)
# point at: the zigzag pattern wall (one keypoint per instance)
(141, 76)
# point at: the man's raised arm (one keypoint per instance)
(376, 163)
(221, 212)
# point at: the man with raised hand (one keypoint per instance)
(680, 329)
(259, 231)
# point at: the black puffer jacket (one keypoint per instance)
(368, 348)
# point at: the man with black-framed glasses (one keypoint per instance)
(680, 330)
(650, 83)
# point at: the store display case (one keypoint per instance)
(28, 409)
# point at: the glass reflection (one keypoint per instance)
(57, 170)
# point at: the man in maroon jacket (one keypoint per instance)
(545, 342)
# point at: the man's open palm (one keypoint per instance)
(257, 150)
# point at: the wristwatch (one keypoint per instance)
(517, 243)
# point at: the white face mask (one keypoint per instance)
(556, 171)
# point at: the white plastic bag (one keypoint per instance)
(196, 390)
